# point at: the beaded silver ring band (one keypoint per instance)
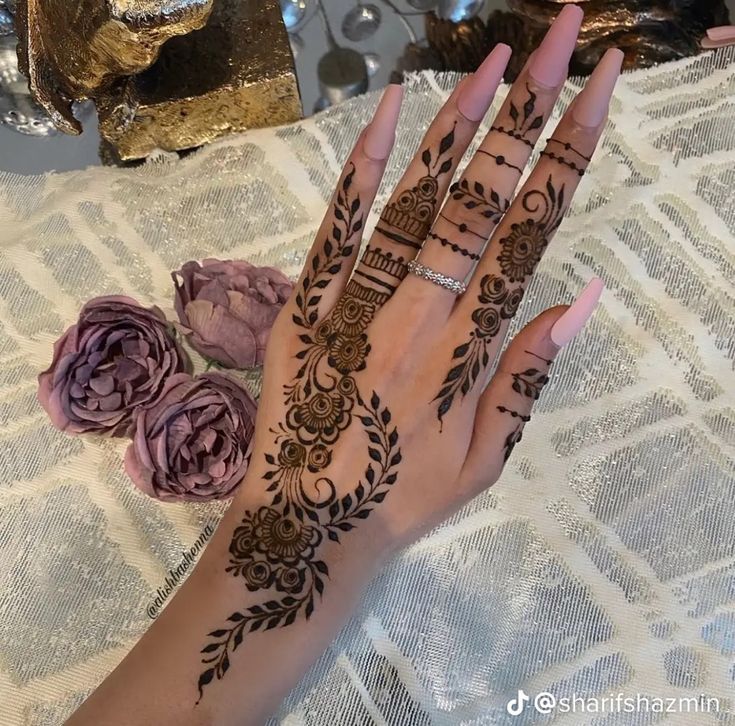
(448, 283)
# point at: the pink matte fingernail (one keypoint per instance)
(721, 32)
(709, 44)
(591, 105)
(577, 314)
(550, 62)
(381, 132)
(478, 93)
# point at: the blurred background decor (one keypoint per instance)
(180, 79)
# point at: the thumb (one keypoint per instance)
(505, 405)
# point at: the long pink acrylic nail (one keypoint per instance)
(709, 44)
(381, 132)
(551, 60)
(721, 32)
(477, 94)
(577, 314)
(591, 105)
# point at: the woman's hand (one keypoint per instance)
(382, 410)
(376, 420)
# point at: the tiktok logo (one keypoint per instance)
(516, 705)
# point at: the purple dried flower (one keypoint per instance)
(227, 308)
(194, 443)
(115, 358)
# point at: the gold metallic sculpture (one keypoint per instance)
(169, 74)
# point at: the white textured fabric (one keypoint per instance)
(604, 559)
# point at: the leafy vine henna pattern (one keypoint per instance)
(276, 547)
(473, 196)
(407, 221)
(497, 302)
(527, 383)
(520, 251)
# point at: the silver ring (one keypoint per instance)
(448, 283)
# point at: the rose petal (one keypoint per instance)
(225, 337)
(104, 385)
(111, 402)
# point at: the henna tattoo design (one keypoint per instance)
(472, 196)
(524, 121)
(511, 440)
(276, 547)
(497, 303)
(500, 160)
(528, 383)
(514, 414)
(523, 247)
(337, 246)
(521, 250)
(579, 168)
(381, 265)
(408, 220)
(462, 227)
(454, 247)
(514, 436)
(541, 358)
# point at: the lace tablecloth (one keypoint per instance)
(604, 559)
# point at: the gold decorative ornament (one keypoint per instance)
(171, 75)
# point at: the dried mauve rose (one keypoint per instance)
(115, 358)
(227, 308)
(194, 443)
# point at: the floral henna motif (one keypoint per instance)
(408, 220)
(328, 262)
(277, 546)
(520, 252)
(523, 247)
(498, 302)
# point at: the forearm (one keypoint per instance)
(158, 680)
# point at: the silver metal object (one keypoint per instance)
(459, 10)
(293, 12)
(342, 74)
(372, 63)
(6, 21)
(448, 283)
(361, 22)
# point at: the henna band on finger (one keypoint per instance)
(580, 169)
(500, 160)
(454, 247)
(462, 227)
